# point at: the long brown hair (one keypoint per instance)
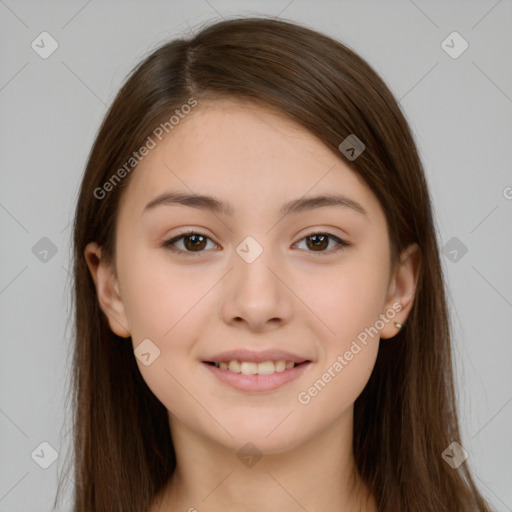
(406, 415)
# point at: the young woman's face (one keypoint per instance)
(265, 280)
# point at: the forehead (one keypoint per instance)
(244, 152)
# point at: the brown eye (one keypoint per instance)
(196, 243)
(319, 242)
(192, 243)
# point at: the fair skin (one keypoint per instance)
(299, 295)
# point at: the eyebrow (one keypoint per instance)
(209, 203)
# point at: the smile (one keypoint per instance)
(250, 376)
(252, 368)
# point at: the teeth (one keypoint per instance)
(266, 368)
(250, 368)
(234, 366)
(280, 366)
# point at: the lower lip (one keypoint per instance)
(258, 382)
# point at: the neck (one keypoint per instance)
(317, 475)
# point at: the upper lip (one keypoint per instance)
(256, 357)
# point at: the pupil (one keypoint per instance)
(321, 239)
(196, 243)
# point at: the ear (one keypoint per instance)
(107, 289)
(402, 289)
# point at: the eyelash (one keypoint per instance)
(168, 244)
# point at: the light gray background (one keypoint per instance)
(460, 111)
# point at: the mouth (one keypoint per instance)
(250, 371)
(252, 368)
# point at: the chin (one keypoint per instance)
(269, 435)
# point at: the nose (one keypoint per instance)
(256, 296)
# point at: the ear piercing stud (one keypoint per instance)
(398, 325)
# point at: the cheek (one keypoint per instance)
(350, 305)
(159, 294)
(166, 308)
(336, 386)
(351, 302)
(347, 298)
